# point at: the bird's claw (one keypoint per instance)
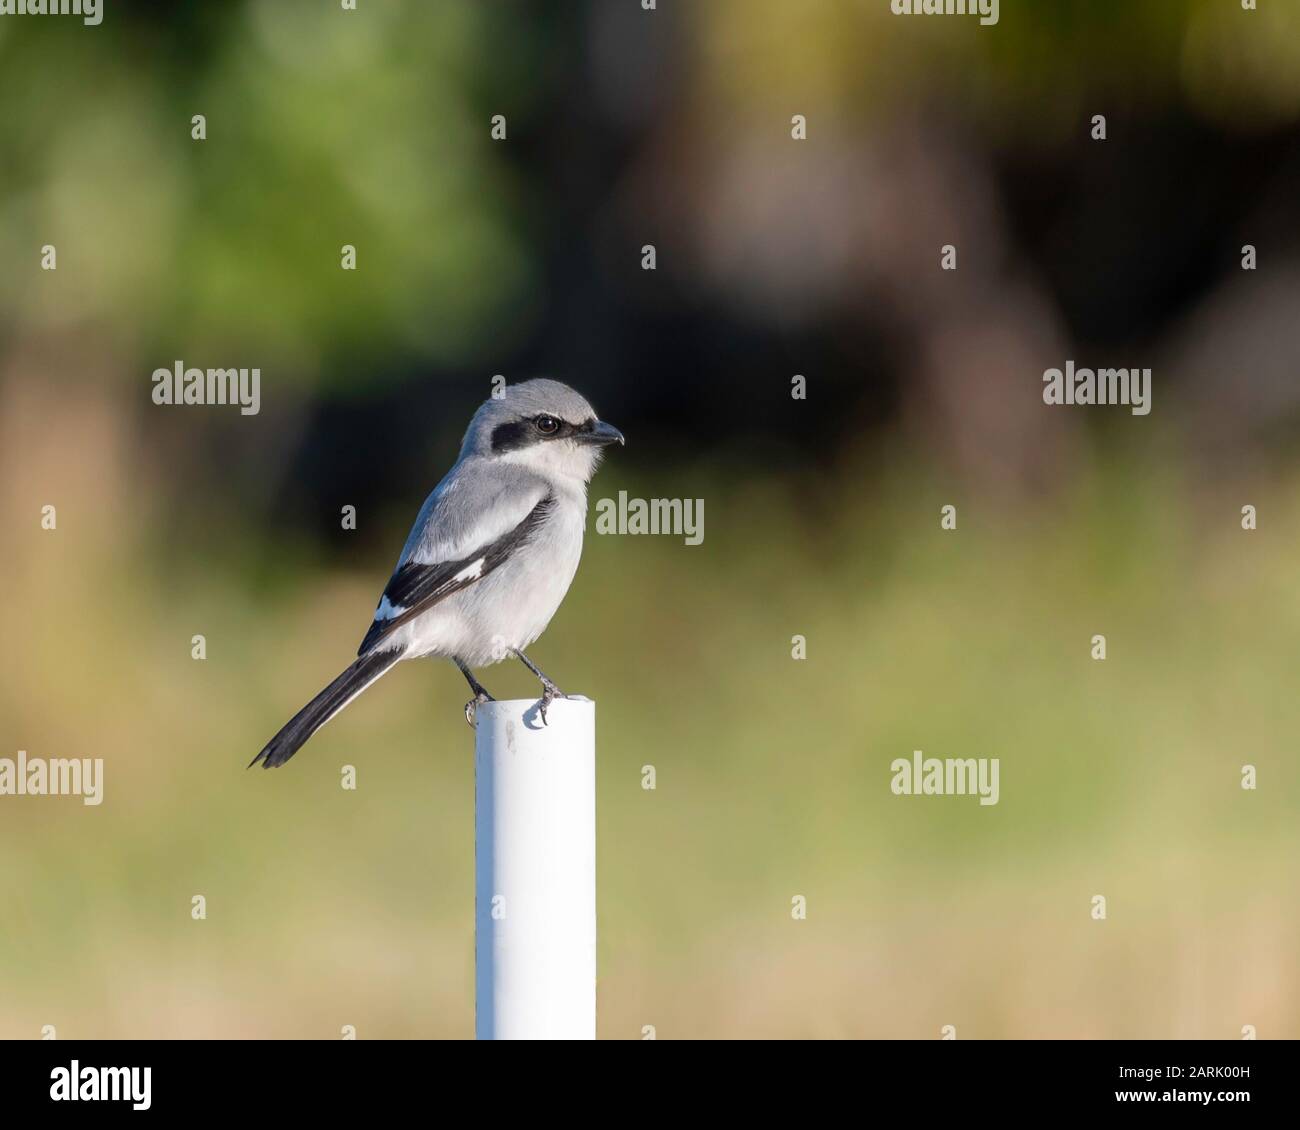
(471, 708)
(550, 692)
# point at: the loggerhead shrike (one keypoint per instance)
(490, 557)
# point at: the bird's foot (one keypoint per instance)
(471, 707)
(550, 692)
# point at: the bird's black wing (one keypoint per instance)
(415, 588)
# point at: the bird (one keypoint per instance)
(490, 557)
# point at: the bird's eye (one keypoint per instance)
(547, 425)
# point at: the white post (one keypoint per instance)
(535, 871)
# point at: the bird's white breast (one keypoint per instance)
(512, 605)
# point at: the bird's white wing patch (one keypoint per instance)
(387, 610)
(471, 572)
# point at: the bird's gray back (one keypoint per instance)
(476, 502)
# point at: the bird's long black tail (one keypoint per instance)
(324, 706)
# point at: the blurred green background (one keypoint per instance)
(522, 257)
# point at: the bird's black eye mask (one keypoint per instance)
(530, 430)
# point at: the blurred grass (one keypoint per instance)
(328, 907)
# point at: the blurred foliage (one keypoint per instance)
(320, 133)
(371, 129)
(1033, 73)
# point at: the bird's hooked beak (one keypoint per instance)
(600, 434)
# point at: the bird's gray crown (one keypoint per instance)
(508, 423)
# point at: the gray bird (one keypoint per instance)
(490, 557)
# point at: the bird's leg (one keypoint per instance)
(550, 692)
(480, 693)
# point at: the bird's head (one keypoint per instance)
(542, 425)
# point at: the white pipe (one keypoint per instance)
(535, 871)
